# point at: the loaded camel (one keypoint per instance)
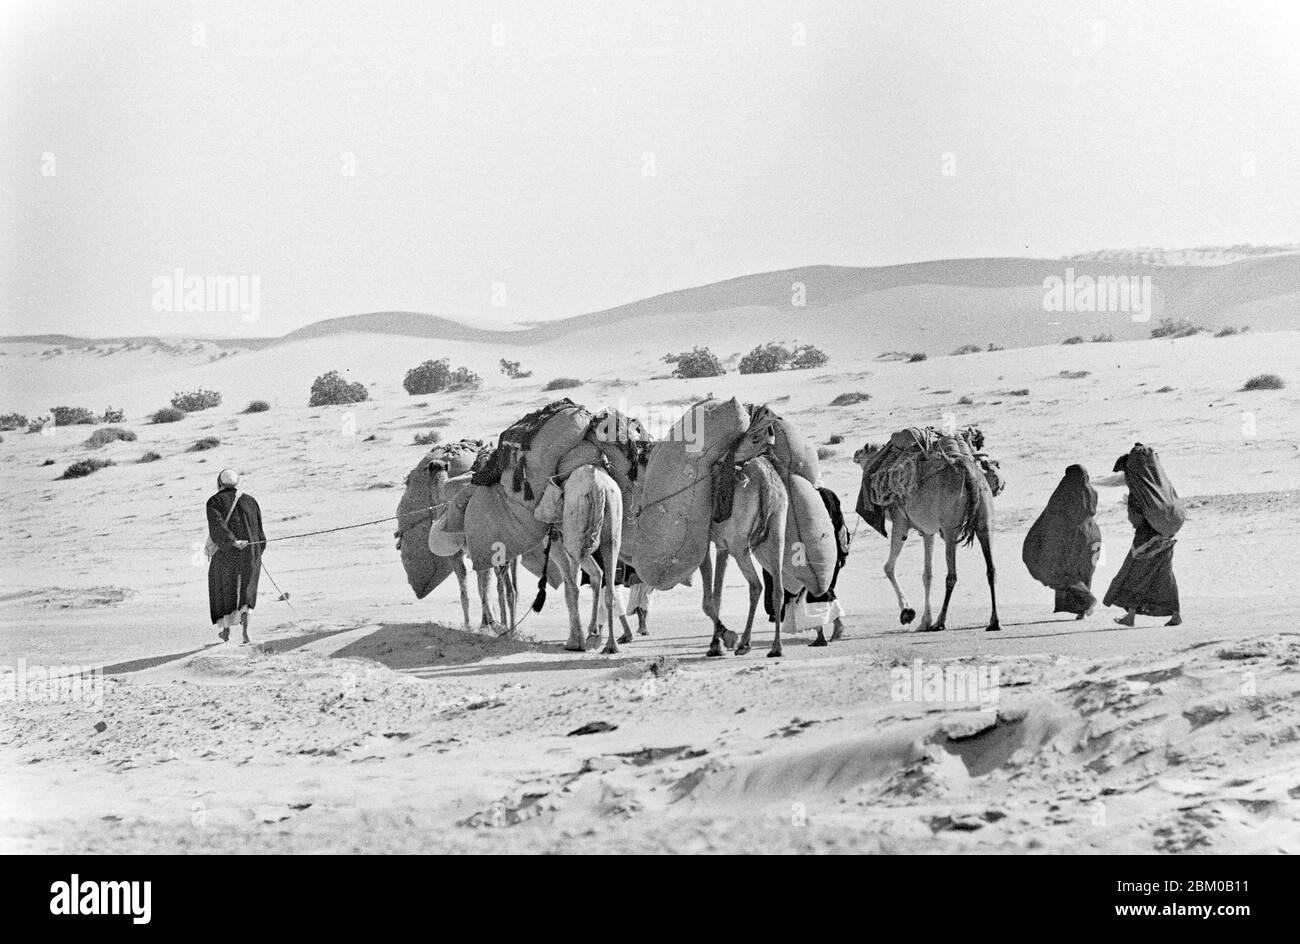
(953, 501)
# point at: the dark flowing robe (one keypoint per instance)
(1061, 547)
(1145, 581)
(233, 573)
(842, 537)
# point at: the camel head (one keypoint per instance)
(864, 455)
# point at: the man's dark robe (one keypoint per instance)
(1060, 546)
(233, 573)
(1145, 581)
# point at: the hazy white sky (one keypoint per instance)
(510, 143)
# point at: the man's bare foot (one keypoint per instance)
(1080, 616)
(1126, 620)
(838, 632)
(224, 635)
(245, 639)
(1175, 620)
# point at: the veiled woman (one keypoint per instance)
(1061, 548)
(1145, 583)
(235, 531)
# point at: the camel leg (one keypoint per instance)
(897, 536)
(569, 572)
(711, 603)
(927, 544)
(745, 561)
(778, 592)
(950, 581)
(484, 602)
(986, 546)
(610, 541)
(506, 593)
(622, 619)
(595, 575)
(719, 572)
(462, 578)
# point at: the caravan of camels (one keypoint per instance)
(580, 496)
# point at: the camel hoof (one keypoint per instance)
(729, 639)
(993, 627)
(907, 616)
(714, 650)
(935, 628)
(625, 638)
(643, 632)
(570, 647)
(774, 653)
(1175, 620)
(837, 635)
(742, 648)
(609, 650)
(818, 643)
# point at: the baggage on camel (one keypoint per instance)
(530, 451)
(418, 507)
(792, 453)
(810, 550)
(672, 531)
(894, 471)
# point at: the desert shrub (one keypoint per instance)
(109, 434)
(168, 414)
(436, 376)
(1075, 374)
(1165, 389)
(431, 438)
(807, 357)
(47, 462)
(512, 370)
(150, 456)
(1102, 338)
(1264, 382)
(1022, 392)
(965, 401)
(562, 383)
(915, 358)
(1228, 331)
(204, 444)
(826, 452)
(996, 347)
(331, 389)
(257, 406)
(73, 416)
(766, 359)
(835, 439)
(1169, 328)
(38, 424)
(700, 362)
(84, 467)
(1074, 340)
(12, 421)
(968, 349)
(191, 401)
(848, 399)
(114, 415)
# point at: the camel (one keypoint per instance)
(755, 530)
(954, 502)
(500, 528)
(444, 490)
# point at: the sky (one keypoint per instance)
(499, 161)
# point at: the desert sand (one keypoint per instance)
(364, 720)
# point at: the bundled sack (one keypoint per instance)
(426, 489)
(810, 546)
(672, 532)
(1151, 495)
(792, 453)
(498, 527)
(529, 452)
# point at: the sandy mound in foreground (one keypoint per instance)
(1195, 752)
